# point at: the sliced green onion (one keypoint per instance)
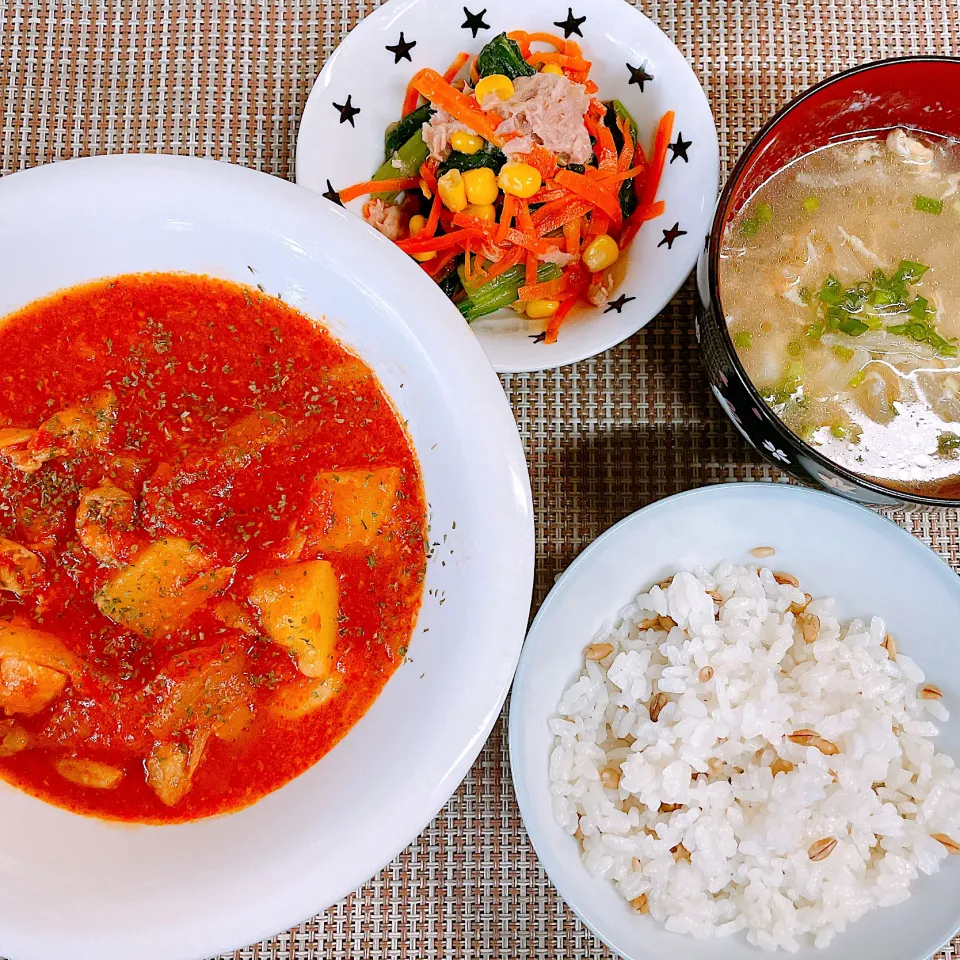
(856, 380)
(910, 271)
(814, 331)
(763, 212)
(749, 228)
(811, 204)
(838, 431)
(948, 444)
(928, 204)
(843, 353)
(743, 340)
(921, 333)
(831, 291)
(804, 294)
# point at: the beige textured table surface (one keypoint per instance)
(229, 79)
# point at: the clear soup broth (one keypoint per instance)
(841, 289)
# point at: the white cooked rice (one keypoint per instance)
(747, 831)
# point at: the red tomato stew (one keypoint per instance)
(212, 546)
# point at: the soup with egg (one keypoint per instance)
(840, 287)
(212, 546)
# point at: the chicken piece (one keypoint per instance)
(19, 567)
(104, 524)
(34, 667)
(88, 773)
(907, 148)
(300, 697)
(22, 640)
(386, 218)
(82, 427)
(545, 108)
(347, 508)
(299, 607)
(171, 766)
(199, 693)
(166, 583)
(26, 687)
(13, 738)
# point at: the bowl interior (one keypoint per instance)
(90, 889)
(614, 36)
(836, 549)
(918, 92)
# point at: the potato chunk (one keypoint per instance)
(346, 508)
(88, 773)
(19, 567)
(26, 687)
(166, 582)
(299, 606)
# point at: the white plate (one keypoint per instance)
(614, 35)
(836, 549)
(76, 887)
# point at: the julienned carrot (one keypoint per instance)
(506, 215)
(543, 161)
(426, 244)
(660, 143)
(599, 223)
(530, 276)
(548, 290)
(561, 60)
(430, 228)
(474, 72)
(492, 232)
(606, 150)
(626, 154)
(505, 263)
(637, 220)
(612, 178)
(566, 305)
(522, 40)
(591, 86)
(438, 91)
(410, 100)
(379, 186)
(604, 199)
(456, 67)
(524, 222)
(572, 211)
(542, 37)
(571, 236)
(439, 263)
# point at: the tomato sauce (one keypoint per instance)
(212, 411)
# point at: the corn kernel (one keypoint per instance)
(481, 185)
(601, 252)
(519, 305)
(417, 223)
(484, 211)
(519, 179)
(552, 68)
(453, 194)
(541, 309)
(496, 83)
(464, 142)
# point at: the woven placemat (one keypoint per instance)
(229, 79)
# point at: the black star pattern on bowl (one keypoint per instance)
(474, 21)
(332, 195)
(680, 148)
(538, 337)
(401, 49)
(618, 304)
(347, 111)
(670, 235)
(571, 25)
(639, 76)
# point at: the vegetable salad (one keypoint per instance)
(512, 184)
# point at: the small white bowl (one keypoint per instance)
(334, 152)
(836, 549)
(77, 887)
